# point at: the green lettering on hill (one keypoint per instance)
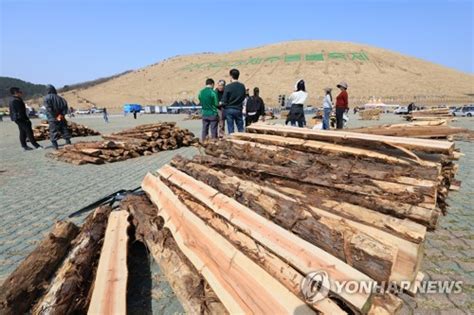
(314, 57)
(337, 55)
(361, 56)
(292, 58)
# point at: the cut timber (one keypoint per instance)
(356, 184)
(69, 290)
(191, 289)
(344, 137)
(24, 285)
(304, 256)
(326, 148)
(110, 286)
(241, 285)
(399, 209)
(276, 267)
(409, 255)
(269, 202)
(277, 155)
(417, 131)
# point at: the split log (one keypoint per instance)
(26, 283)
(396, 208)
(271, 154)
(352, 138)
(328, 148)
(109, 295)
(68, 292)
(252, 192)
(358, 184)
(272, 264)
(386, 304)
(425, 131)
(304, 256)
(191, 289)
(241, 285)
(278, 208)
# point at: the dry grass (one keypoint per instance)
(388, 76)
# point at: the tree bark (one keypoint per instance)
(190, 287)
(69, 291)
(26, 283)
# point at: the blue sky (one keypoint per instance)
(68, 41)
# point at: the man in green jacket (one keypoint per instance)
(208, 100)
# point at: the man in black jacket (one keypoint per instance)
(255, 108)
(20, 117)
(232, 101)
(56, 110)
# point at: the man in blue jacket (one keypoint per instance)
(20, 117)
(56, 110)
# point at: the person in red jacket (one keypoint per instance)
(342, 104)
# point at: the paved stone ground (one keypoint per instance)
(36, 191)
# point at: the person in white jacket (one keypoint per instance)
(297, 100)
(327, 108)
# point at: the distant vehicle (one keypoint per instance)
(82, 112)
(467, 110)
(401, 110)
(97, 111)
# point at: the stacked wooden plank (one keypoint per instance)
(141, 140)
(370, 114)
(294, 201)
(244, 228)
(429, 114)
(41, 131)
(426, 129)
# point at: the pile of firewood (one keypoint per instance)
(130, 143)
(429, 114)
(436, 129)
(370, 114)
(239, 229)
(41, 131)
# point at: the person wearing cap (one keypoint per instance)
(342, 104)
(18, 115)
(220, 109)
(297, 100)
(327, 108)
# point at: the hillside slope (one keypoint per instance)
(369, 71)
(30, 90)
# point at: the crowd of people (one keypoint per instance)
(226, 104)
(232, 105)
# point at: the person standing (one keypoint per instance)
(342, 105)
(210, 118)
(18, 115)
(220, 109)
(255, 108)
(297, 100)
(327, 108)
(106, 115)
(56, 110)
(232, 100)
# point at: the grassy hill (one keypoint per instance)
(370, 72)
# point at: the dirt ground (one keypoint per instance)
(35, 191)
